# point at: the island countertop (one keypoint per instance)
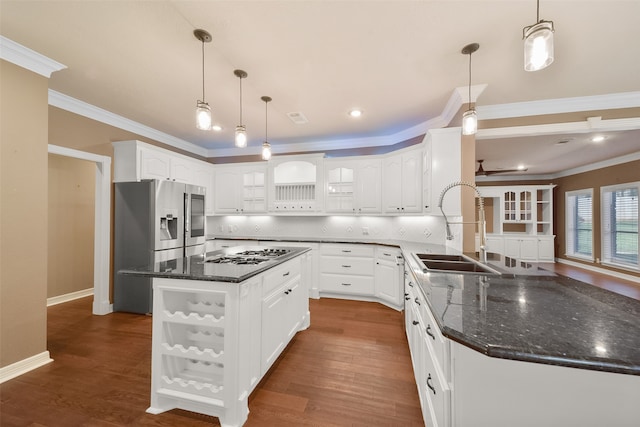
(533, 315)
(196, 267)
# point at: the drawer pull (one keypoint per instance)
(415, 322)
(416, 301)
(346, 266)
(286, 274)
(287, 291)
(346, 284)
(406, 294)
(429, 384)
(411, 284)
(429, 332)
(346, 250)
(386, 254)
(407, 298)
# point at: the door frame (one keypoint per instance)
(102, 228)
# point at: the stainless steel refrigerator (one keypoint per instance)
(154, 221)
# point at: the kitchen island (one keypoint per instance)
(502, 349)
(220, 320)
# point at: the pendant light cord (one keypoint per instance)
(240, 101)
(470, 53)
(203, 71)
(538, 11)
(266, 120)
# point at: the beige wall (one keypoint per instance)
(71, 191)
(23, 222)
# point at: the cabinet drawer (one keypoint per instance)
(387, 254)
(347, 250)
(280, 274)
(356, 285)
(346, 265)
(435, 389)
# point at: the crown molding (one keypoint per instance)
(29, 59)
(560, 105)
(84, 109)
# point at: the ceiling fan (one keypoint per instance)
(482, 172)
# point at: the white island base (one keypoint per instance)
(214, 341)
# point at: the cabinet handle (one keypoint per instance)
(411, 284)
(415, 322)
(407, 298)
(406, 294)
(287, 291)
(286, 274)
(346, 284)
(416, 301)
(429, 332)
(386, 254)
(346, 266)
(346, 250)
(429, 384)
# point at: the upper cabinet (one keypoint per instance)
(240, 188)
(135, 161)
(295, 183)
(353, 186)
(401, 182)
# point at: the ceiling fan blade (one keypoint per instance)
(503, 171)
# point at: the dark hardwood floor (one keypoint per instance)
(350, 368)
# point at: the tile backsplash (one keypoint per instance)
(421, 229)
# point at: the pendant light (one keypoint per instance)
(266, 147)
(470, 117)
(203, 111)
(241, 130)
(538, 43)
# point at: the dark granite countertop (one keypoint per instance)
(533, 315)
(194, 267)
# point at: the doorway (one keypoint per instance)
(102, 210)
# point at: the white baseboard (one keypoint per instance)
(69, 297)
(24, 366)
(613, 273)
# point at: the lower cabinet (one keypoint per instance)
(285, 304)
(522, 247)
(361, 271)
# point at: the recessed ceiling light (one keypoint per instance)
(216, 128)
(597, 138)
(355, 113)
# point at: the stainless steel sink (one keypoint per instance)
(458, 264)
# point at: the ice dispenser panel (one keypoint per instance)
(168, 227)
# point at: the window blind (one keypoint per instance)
(620, 224)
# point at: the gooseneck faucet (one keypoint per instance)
(481, 218)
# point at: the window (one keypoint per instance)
(620, 224)
(579, 223)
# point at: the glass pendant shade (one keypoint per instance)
(266, 151)
(469, 122)
(241, 136)
(203, 116)
(538, 46)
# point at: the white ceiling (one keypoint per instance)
(398, 60)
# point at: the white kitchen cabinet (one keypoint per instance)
(284, 307)
(295, 183)
(522, 225)
(353, 186)
(401, 183)
(389, 270)
(426, 177)
(135, 161)
(346, 269)
(523, 248)
(240, 189)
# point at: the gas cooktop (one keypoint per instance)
(243, 256)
